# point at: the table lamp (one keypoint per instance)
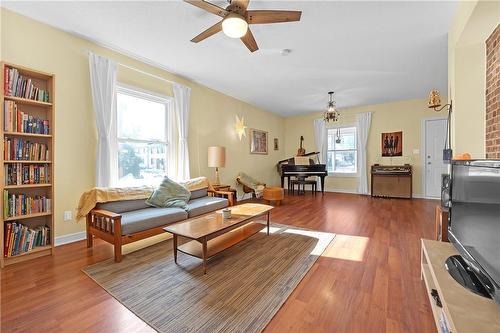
(216, 159)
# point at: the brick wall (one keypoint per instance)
(493, 95)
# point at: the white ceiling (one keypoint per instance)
(367, 52)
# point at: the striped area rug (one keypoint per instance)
(243, 289)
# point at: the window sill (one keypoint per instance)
(343, 175)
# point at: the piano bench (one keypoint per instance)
(302, 182)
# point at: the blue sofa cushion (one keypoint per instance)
(123, 206)
(205, 205)
(169, 194)
(199, 193)
(148, 218)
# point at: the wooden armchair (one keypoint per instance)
(246, 189)
(229, 195)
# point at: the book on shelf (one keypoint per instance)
(17, 85)
(22, 174)
(18, 121)
(19, 204)
(19, 149)
(19, 238)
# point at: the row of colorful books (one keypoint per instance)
(21, 174)
(23, 204)
(18, 121)
(19, 86)
(18, 149)
(20, 238)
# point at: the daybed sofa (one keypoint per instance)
(127, 221)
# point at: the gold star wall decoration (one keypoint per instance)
(240, 127)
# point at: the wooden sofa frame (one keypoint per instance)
(107, 226)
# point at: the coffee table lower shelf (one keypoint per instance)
(222, 242)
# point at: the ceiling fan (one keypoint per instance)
(236, 18)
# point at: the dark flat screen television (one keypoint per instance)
(474, 226)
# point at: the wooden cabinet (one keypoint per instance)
(441, 232)
(391, 181)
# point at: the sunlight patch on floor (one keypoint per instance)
(347, 247)
(272, 230)
(324, 238)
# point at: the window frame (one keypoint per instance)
(356, 150)
(167, 101)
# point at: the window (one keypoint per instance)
(143, 137)
(342, 151)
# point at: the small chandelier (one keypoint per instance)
(331, 114)
(339, 138)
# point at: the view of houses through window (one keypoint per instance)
(342, 154)
(142, 137)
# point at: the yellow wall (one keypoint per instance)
(32, 44)
(403, 116)
(472, 25)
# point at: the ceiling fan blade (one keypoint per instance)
(272, 16)
(209, 32)
(243, 4)
(208, 7)
(249, 41)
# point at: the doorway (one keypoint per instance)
(434, 136)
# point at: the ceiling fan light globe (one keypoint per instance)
(234, 26)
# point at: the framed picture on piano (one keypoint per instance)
(258, 141)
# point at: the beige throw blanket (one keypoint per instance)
(89, 199)
(254, 184)
(195, 183)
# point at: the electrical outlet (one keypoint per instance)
(416, 151)
(67, 215)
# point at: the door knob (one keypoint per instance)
(429, 163)
(428, 156)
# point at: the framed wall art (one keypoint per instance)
(392, 144)
(258, 141)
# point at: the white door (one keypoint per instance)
(435, 136)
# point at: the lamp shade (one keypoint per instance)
(216, 157)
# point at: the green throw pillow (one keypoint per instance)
(169, 194)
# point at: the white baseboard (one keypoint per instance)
(420, 196)
(341, 190)
(66, 239)
(354, 191)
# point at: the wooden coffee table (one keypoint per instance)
(211, 233)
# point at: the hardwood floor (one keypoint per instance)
(367, 281)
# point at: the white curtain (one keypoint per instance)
(363, 129)
(181, 106)
(103, 87)
(321, 141)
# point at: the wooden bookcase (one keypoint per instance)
(45, 111)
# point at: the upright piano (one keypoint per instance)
(287, 169)
(391, 181)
